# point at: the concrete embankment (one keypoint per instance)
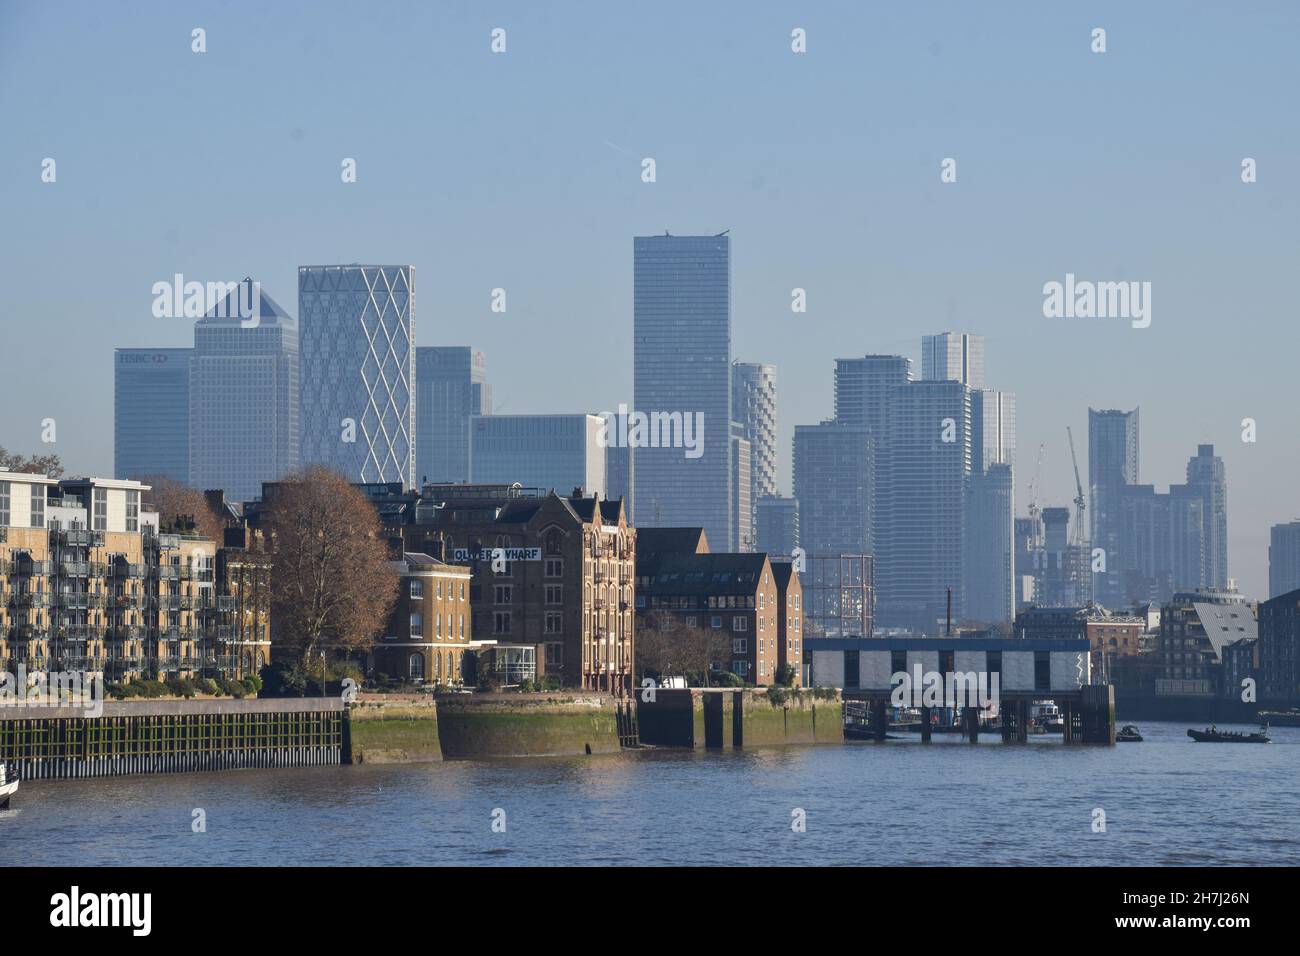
(724, 718)
(401, 730)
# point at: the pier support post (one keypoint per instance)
(925, 725)
(1006, 717)
(1067, 712)
(879, 719)
(971, 721)
(1022, 721)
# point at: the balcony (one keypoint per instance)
(125, 632)
(28, 568)
(72, 600)
(167, 572)
(30, 599)
(122, 569)
(74, 569)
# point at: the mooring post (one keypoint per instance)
(879, 719)
(1068, 708)
(925, 725)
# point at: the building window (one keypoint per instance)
(692, 622)
(462, 626)
(739, 645)
(4, 504)
(417, 626)
(502, 594)
(500, 622)
(417, 667)
(132, 511)
(554, 655)
(715, 621)
(640, 600)
(554, 594)
(417, 590)
(437, 624)
(554, 622)
(555, 567)
(38, 507)
(740, 668)
(739, 624)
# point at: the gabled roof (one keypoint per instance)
(701, 574)
(782, 571)
(651, 541)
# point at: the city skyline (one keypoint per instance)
(810, 198)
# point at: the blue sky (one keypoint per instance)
(522, 171)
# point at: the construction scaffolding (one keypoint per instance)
(838, 594)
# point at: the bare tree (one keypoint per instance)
(179, 503)
(330, 581)
(668, 647)
(31, 464)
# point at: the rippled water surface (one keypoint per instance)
(1167, 801)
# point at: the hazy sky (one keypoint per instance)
(522, 170)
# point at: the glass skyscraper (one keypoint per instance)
(953, 357)
(682, 365)
(1112, 468)
(753, 405)
(358, 370)
(151, 413)
(243, 399)
(451, 385)
(552, 452)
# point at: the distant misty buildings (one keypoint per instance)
(1154, 544)
(832, 484)
(682, 363)
(953, 357)
(358, 370)
(753, 409)
(450, 386)
(1284, 559)
(151, 413)
(223, 414)
(550, 452)
(776, 525)
(243, 400)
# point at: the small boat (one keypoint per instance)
(1128, 734)
(1046, 718)
(8, 786)
(1215, 736)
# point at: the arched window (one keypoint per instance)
(417, 667)
(553, 541)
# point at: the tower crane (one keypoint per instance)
(1083, 578)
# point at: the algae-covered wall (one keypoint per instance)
(394, 733)
(726, 718)
(517, 726)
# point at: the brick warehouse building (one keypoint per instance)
(789, 619)
(557, 602)
(736, 593)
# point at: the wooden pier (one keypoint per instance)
(173, 737)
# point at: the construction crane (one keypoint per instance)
(1035, 523)
(1083, 571)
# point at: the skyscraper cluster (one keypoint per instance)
(1147, 545)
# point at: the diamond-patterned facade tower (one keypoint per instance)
(357, 350)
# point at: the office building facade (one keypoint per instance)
(682, 368)
(1112, 467)
(549, 452)
(151, 413)
(953, 357)
(451, 386)
(358, 377)
(244, 391)
(1283, 558)
(777, 525)
(753, 406)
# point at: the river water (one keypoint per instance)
(1167, 801)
